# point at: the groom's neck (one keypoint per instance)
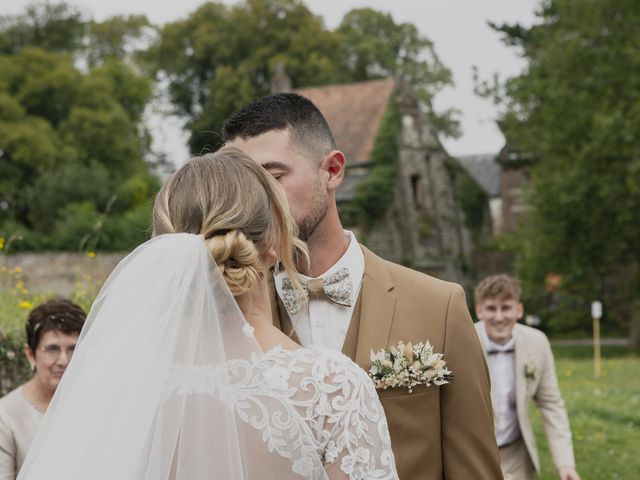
(255, 305)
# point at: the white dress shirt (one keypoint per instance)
(503, 390)
(326, 323)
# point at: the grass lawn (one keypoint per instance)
(604, 414)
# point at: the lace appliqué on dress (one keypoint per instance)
(314, 398)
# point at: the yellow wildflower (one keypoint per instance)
(25, 304)
(17, 270)
(91, 254)
(25, 291)
(1, 243)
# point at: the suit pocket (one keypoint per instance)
(417, 390)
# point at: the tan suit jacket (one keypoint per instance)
(436, 432)
(536, 379)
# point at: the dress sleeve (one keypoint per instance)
(7, 452)
(358, 445)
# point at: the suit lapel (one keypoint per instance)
(285, 322)
(376, 309)
(482, 334)
(279, 314)
(350, 346)
(520, 347)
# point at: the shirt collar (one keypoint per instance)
(491, 345)
(352, 259)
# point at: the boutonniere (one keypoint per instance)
(407, 366)
(530, 370)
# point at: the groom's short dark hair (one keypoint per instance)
(281, 111)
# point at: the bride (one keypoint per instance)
(179, 373)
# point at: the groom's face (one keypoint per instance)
(300, 176)
(499, 316)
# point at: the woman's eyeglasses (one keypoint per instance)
(52, 352)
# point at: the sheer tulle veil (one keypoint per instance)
(147, 394)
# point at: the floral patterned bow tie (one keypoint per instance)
(336, 287)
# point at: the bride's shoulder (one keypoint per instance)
(324, 354)
(314, 354)
(323, 363)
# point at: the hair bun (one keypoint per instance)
(238, 259)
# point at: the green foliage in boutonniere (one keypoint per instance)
(530, 370)
(407, 366)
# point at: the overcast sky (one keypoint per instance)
(458, 29)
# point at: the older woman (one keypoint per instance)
(52, 332)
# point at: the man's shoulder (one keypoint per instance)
(533, 335)
(406, 279)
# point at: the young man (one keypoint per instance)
(364, 303)
(522, 368)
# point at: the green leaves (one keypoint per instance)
(220, 57)
(374, 195)
(576, 109)
(72, 143)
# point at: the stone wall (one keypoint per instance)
(513, 183)
(424, 228)
(60, 272)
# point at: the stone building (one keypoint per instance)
(514, 179)
(424, 226)
(486, 171)
(504, 177)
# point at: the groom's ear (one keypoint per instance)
(333, 164)
(269, 258)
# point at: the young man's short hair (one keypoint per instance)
(280, 111)
(500, 286)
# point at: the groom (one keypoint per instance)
(368, 303)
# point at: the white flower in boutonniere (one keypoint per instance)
(530, 370)
(407, 366)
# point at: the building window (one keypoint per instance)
(416, 191)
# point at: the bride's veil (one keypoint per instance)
(148, 393)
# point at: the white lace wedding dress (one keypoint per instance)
(314, 396)
(168, 383)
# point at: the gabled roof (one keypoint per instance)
(485, 170)
(353, 112)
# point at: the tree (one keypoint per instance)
(118, 37)
(575, 110)
(376, 46)
(72, 141)
(220, 57)
(52, 27)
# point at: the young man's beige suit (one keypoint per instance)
(436, 432)
(536, 379)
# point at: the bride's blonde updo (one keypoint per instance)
(239, 209)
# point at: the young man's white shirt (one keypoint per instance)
(325, 323)
(503, 390)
